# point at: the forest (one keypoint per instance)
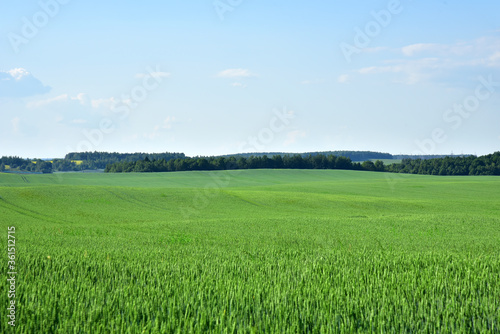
(74, 162)
(25, 165)
(99, 160)
(222, 163)
(471, 165)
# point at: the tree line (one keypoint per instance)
(78, 161)
(469, 165)
(24, 165)
(99, 160)
(253, 162)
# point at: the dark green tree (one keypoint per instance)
(379, 165)
(368, 165)
(44, 166)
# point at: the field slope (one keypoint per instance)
(253, 251)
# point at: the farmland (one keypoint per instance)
(253, 251)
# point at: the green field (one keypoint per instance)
(253, 251)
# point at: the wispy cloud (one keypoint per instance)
(312, 82)
(343, 78)
(79, 110)
(413, 49)
(494, 60)
(238, 84)
(235, 73)
(477, 47)
(46, 102)
(106, 103)
(167, 123)
(430, 61)
(410, 71)
(153, 74)
(81, 99)
(15, 124)
(159, 129)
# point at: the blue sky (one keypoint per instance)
(216, 77)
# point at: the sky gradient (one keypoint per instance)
(230, 76)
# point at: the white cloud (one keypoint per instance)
(427, 61)
(79, 110)
(411, 72)
(45, 102)
(312, 82)
(494, 60)
(103, 103)
(82, 99)
(410, 50)
(468, 50)
(472, 48)
(380, 69)
(18, 73)
(235, 73)
(238, 84)
(18, 82)
(153, 74)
